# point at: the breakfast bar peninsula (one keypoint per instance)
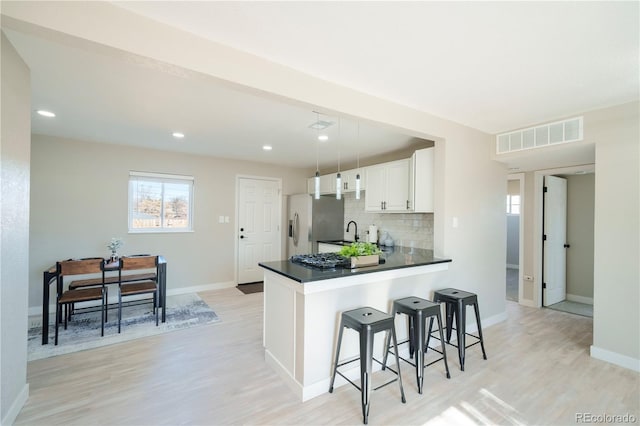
(302, 307)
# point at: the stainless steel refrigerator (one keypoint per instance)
(311, 220)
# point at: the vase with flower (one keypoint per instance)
(114, 245)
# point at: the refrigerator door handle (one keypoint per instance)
(296, 231)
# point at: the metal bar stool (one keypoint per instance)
(366, 321)
(456, 302)
(418, 310)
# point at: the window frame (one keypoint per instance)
(511, 204)
(163, 178)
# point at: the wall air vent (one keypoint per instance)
(559, 132)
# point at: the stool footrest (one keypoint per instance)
(358, 387)
(453, 344)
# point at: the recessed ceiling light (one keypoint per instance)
(323, 138)
(45, 113)
(178, 135)
(267, 147)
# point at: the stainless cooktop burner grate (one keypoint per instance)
(321, 260)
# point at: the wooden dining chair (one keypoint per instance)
(67, 299)
(128, 288)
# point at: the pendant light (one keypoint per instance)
(316, 179)
(338, 177)
(358, 164)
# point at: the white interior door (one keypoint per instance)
(555, 238)
(259, 237)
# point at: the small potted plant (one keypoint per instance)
(114, 245)
(361, 254)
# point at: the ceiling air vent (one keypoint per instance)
(564, 131)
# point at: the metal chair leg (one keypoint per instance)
(119, 310)
(155, 306)
(475, 307)
(335, 364)
(56, 321)
(366, 357)
(444, 349)
(418, 324)
(461, 325)
(395, 347)
(102, 315)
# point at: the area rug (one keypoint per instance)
(83, 332)
(251, 288)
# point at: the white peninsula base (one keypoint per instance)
(301, 320)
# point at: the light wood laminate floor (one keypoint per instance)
(538, 373)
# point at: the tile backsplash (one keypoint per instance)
(405, 229)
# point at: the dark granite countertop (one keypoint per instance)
(395, 258)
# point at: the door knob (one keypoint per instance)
(241, 229)
(241, 236)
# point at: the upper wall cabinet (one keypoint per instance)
(349, 180)
(328, 182)
(403, 186)
(388, 187)
(422, 181)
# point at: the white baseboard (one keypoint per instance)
(580, 299)
(199, 288)
(305, 393)
(615, 358)
(16, 406)
(486, 322)
(35, 312)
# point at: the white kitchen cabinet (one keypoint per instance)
(349, 180)
(388, 187)
(421, 191)
(328, 182)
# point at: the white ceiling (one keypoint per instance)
(492, 66)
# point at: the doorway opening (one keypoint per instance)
(566, 250)
(515, 198)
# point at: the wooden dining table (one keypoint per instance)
(50, 276)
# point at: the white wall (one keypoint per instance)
(616, 293)
(14, 231)
(79, 202)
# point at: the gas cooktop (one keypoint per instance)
(322, 260)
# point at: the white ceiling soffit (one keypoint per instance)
(493, 66)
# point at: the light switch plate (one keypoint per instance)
(220, 219)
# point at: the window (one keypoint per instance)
(160, 202)
(513, 204)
